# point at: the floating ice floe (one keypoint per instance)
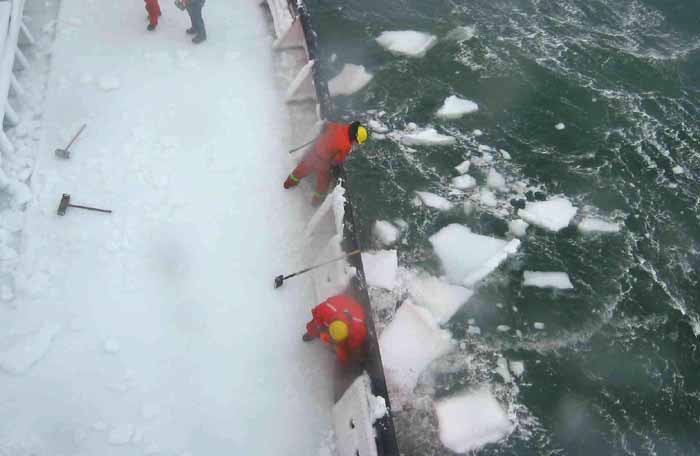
(559, 280)
(538, 325)
(427, 137)
(678, 169)
(462, 33)
(440, 298)
(464, 182)
(502, 369)
(487, 197)
(496, 181)
(517, 368)
(454, 107)
(407, 42)
(381, 268)
(18, 354)
(553, 215)
(467, 257)
(477, 133)
(469, 421)
(503, 328)
(463, 167)
(408, 345)
(505, 154)
(386, 233)
(518, 227)
(594, 225)
(434, 201)
(560, 126)
(474, 330)
(351, 79)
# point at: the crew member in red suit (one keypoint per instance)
(153, 10)
(340, 321)
(330, 149)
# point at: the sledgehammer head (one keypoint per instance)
(63, 205)
(62, 153)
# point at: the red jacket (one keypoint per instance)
(333, 145)
(345, 308)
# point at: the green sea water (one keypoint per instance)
(617, 369)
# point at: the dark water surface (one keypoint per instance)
(617, 370)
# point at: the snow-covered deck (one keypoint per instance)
(156, 329)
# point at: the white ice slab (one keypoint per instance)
(381, 268)
(351, 79)
(496, 181)
(434, 201)
(454, 107)
(464, 182)
(408, 345)
(487, 197)
(469, 421)
(518, 227)
(463, 167)
(594, 225)
(427, 137)
(560, 126)
(440, 298)
(553, 215)
(407, 42)
(559, 280)
(468, 257)
(385, 232)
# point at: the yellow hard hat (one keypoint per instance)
(361, 134)
(338, 330)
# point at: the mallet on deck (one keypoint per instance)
(65, 204)
(65, 153)
(279, 280)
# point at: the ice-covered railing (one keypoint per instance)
(360, 415)
(11, 24)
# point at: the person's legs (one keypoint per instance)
(323, 179)
(300, 172)
(153, 10)
(198, 21)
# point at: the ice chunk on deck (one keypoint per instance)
(381, 268)
(427, 137)
(552, 215)
(386, 233)
(594, 225)
(351, 79)
(467, 257)
(407, 42)
(18, 355)
(518, 227)
(464, 182)
(434, 201)
(559, 280)
(454, 107)
(440, 298)
(408, 345)
(469, 421)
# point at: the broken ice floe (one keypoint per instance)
(442, 299)
(594, 225)
(381, 268)
(386, 233)
(464, 182)
(351, 79)
(468, 257)
(559, 280)
(518, 227)
(434, 201)
(553, 215)
(426, 137)
(407, 42)
(454, 107)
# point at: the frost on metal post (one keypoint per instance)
(354, 416)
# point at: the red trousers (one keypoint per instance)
(153, 10)
(311, 164)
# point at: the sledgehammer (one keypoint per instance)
(65, 204)
(279, 280)
(65, 153)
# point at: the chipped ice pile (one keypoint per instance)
(455, 107)
(408, 345)
(440, 298)
(594, 225)
(558, 280)
(553, 215)
(467, 257)
(351, 79)
(469, 421)
(407, 42)
(381, 268)
(427, 137)
(434, 201)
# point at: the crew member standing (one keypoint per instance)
(330, 149)
(340, 321)
(153, 10)
(194, 9)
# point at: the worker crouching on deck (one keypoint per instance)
(340, 321)
(330, 149)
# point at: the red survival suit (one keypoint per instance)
(345, 308)
(153, 10)
(330, 149)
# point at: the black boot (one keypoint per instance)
(307, 337)
(151, 27)
(199, 38)
(190, 31)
